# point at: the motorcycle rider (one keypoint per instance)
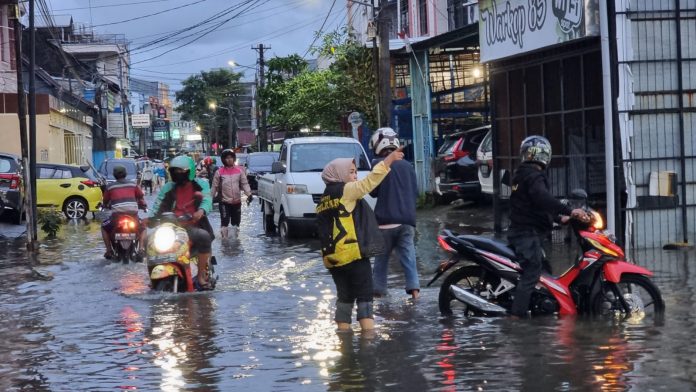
(123, 197)
(532, 211)
(179, 196)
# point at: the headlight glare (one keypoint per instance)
(164, 239)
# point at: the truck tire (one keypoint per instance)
(284, 229)
(269, 226)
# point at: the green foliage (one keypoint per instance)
(218, 86)
(50, 220)
(297, 97)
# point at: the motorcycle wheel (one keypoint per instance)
(641, 294)
(170, 285)
(467, 278)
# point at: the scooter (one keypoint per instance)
(124, 238)
(601, 282)
(168, 256)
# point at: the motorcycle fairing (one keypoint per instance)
(163, 271)
(615, 268)
(561, 293)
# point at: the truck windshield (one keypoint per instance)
(313, 157)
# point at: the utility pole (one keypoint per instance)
(22, 116)
(384, 69)
(375, 62)
(263, 139)
(33, 235)
(123, 99)
(231, 129)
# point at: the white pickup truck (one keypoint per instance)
(290, 192)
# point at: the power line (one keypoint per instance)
(210, 30)
(112, 5)
(149, 15)
(320, 29)
(273, 34)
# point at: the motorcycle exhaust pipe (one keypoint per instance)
(475, 301)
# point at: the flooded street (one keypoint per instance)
(74, 321)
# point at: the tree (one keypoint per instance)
(218, 86)
(353, 67)
(297, 97)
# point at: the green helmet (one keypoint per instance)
(186, 163)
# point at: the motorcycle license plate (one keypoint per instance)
(125, 236)
(162, 258)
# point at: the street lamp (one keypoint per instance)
(231, 132)
(233, 64)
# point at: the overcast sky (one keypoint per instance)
(287, 26)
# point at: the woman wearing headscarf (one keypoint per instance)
(350, 236)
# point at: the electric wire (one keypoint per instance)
(316, 36)
(149, 15)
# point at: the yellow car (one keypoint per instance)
(76, 190)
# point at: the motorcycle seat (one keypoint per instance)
(490, 245)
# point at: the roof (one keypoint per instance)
(467, 35)
(321, 139)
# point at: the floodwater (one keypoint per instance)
(71, 321)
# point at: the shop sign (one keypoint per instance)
(512, 27)
(140, 120)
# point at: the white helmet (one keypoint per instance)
(384, 138)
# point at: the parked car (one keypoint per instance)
(484, 161)
(74, 189)
(258, 164)
(106, 168)
(11, 187)
(455, 167)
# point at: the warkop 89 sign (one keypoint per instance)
(512, 27)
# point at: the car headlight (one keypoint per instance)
(297, 189)
(164, 239)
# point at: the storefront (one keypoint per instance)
(546, 79)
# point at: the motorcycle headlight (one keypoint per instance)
(597, 221)
(164, 239)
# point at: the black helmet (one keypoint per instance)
(536, 149)
(226, 153)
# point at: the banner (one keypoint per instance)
(513, 27)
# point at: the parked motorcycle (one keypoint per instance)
(601, 282)
(124, 238)
(168, 256)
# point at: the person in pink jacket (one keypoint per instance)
(228, 184)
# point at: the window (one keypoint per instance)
(6, 165)
(403, 14)
(312, 157)
(423, 16)
(46, 172)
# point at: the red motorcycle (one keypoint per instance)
(600, 282)
(125, 238)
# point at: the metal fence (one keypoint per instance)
(657, 81)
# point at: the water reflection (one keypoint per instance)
(268, 326)
(182, 337)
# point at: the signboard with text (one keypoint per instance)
(512, 27)
(140, 120)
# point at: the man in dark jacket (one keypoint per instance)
(396, 215)
(532, 212)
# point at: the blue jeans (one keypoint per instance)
(399, 240)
